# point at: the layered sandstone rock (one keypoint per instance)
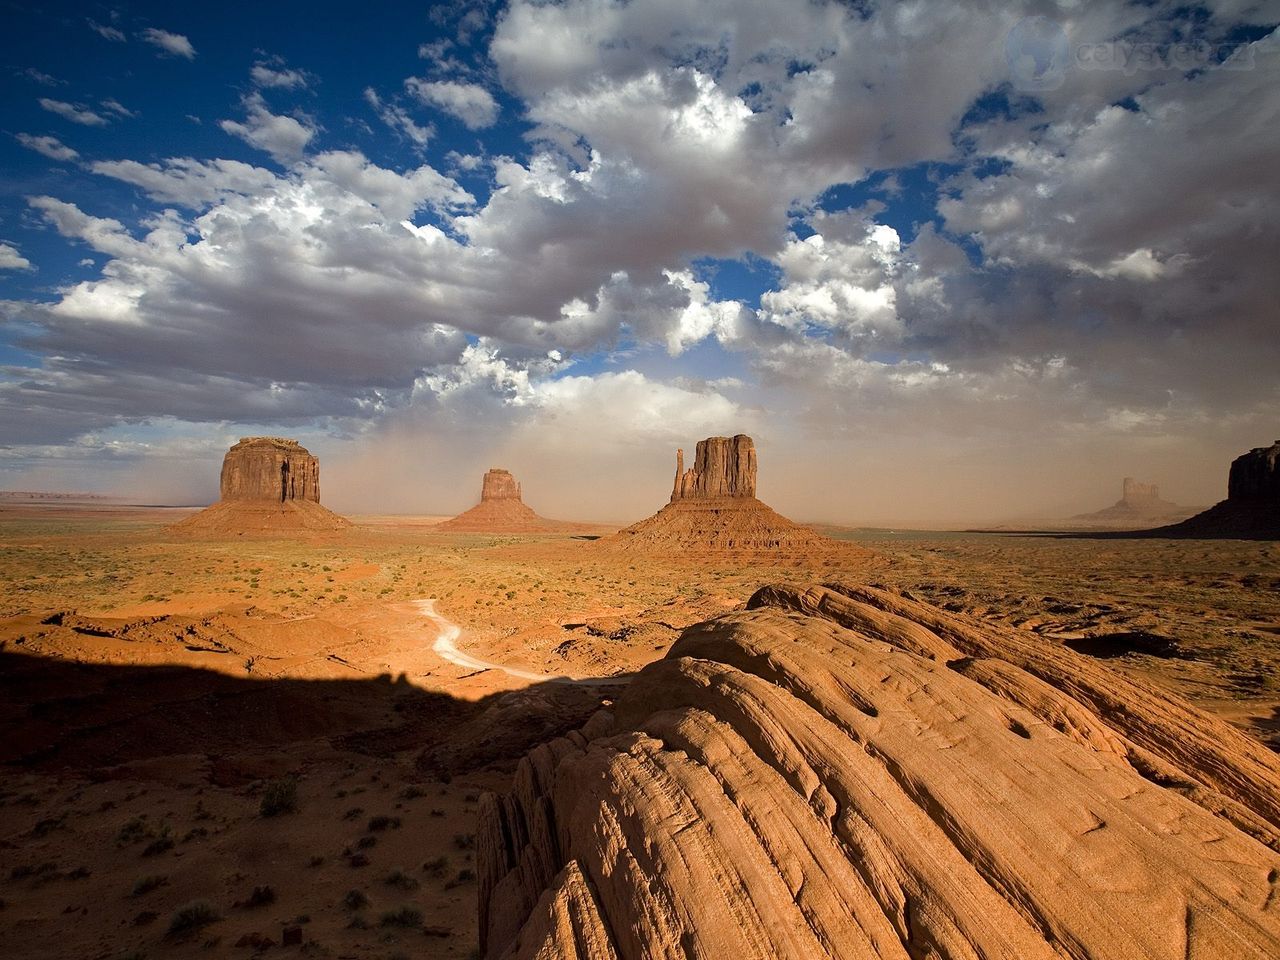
(1139, 505)
(500, 509)
(714, 507)
(1252, 508)
(269, 485)
(842, 772)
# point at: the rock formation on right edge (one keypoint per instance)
(1252, 508)
(714, 507)
(838, 771)
(500, 510)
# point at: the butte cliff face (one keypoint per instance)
(714, 507)
(1252, 508)
(838, 771)
(722, 467)
(268, 485)
(500, 509)
(270, 469)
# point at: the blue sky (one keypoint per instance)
(895, 243)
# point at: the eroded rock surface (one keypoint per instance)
(843, 772)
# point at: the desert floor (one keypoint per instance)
(270, 730)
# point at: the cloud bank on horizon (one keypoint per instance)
(946, 262)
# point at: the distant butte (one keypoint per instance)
(500, 510)
(268, 485)
(1252, 508)
(714, 507)
(1139, 504)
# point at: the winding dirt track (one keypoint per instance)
(445, 646)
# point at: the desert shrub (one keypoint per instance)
(148, 883)
(436, 867)
(279, 796)
(191, 917)
(132, 831)
(355, 900)
(405, 916)
(398, 878)
(464, 841)
(261, 896)
(163, 841)
(465, 875)
(383, 822)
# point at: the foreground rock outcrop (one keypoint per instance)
(268, 484)
(500, 510)
(1139, 505)
(714, 507)
(843, 772)
(1252, 508)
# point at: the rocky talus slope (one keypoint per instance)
(268, 485)
(841, 771)
(714, 507)
(500, 510)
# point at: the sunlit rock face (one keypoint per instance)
(271, 469)
(722, 467)
(499, 484)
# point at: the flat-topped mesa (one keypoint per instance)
(499, 484)
(1255, 476)
(1137, 493)
(722, 467)
(270, 487)
(272, 469)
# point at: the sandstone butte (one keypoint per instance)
(713, 507)
(268, 485)
(840, 771)
(500, 510)
(1138, 503)
(1252, 508)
